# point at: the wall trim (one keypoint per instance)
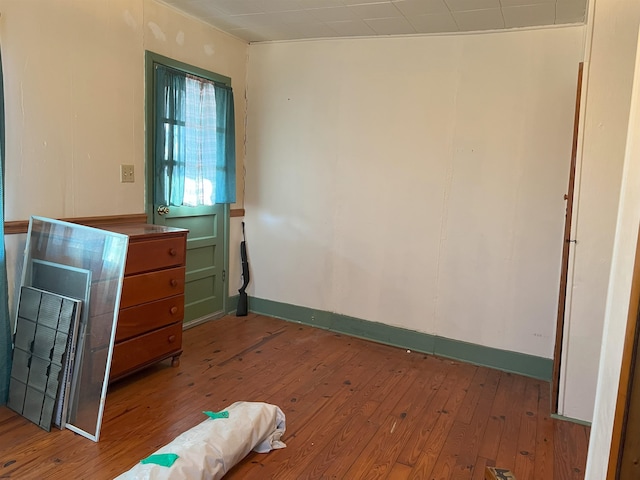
(508, 361)
(22, 226)
(557, 416)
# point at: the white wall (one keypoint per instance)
(74, 97)
(415, 181)
(609, 76)
(617, 305)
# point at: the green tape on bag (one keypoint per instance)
(162, 459)
(215, 415)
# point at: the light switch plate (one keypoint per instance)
(126, 174)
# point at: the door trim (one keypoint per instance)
(225, 253)
(566, 244)
(627, 369)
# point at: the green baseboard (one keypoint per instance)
(508, 361)
(569, 419)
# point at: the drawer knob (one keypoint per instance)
(172, 338)
(173, 252)
(173, 282)
(173, 310)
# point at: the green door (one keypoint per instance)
(205, 277)
(168, 126)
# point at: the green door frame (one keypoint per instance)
(152, 58)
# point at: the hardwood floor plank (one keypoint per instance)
(399, 472)
(355, 409)
(350, 440)
(353, 442)
(479, 468)
(507, 450)
(322, 415)
(427, 459)
(448, 457)
(495, 423)
(568, 444)
(544, 436)
(477, 426)
(526, 449)
(371, 373)
(473, 394)
(364, 404)
(420, 435)
(381, 453)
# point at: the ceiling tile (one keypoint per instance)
(420, 7)
(281, 5)
(390, 26)
(515, 3)
(570, 12)
(529, 15)
(267, 20)
(351, 28)
(198, 9)
(250, 20)
(303, 4)
(332, 14)
(283, 19)
(238, 7)
(472, 20)
(361, 2)
(314, 30)
(376, 10)
(223, 23)
(463, 5)
(292, 16)
(249, 35)
(434, 23)
(270, 20)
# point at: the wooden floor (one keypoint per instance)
(355, 409)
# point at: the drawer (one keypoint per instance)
(143, 318)
(155, 254)
(146, 349)
(147, 287)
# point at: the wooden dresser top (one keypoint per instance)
(146, 230)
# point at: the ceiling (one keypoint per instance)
(268, 20)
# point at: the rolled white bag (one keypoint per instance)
(209, 450)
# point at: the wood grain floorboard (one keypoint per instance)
(474, 432)
(355, 409)
(446, 377)
(525, 462)
(508, 448)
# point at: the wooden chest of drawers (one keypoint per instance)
(152, 301)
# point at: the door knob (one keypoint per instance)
(163, 210)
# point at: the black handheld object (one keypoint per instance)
(243, 304)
